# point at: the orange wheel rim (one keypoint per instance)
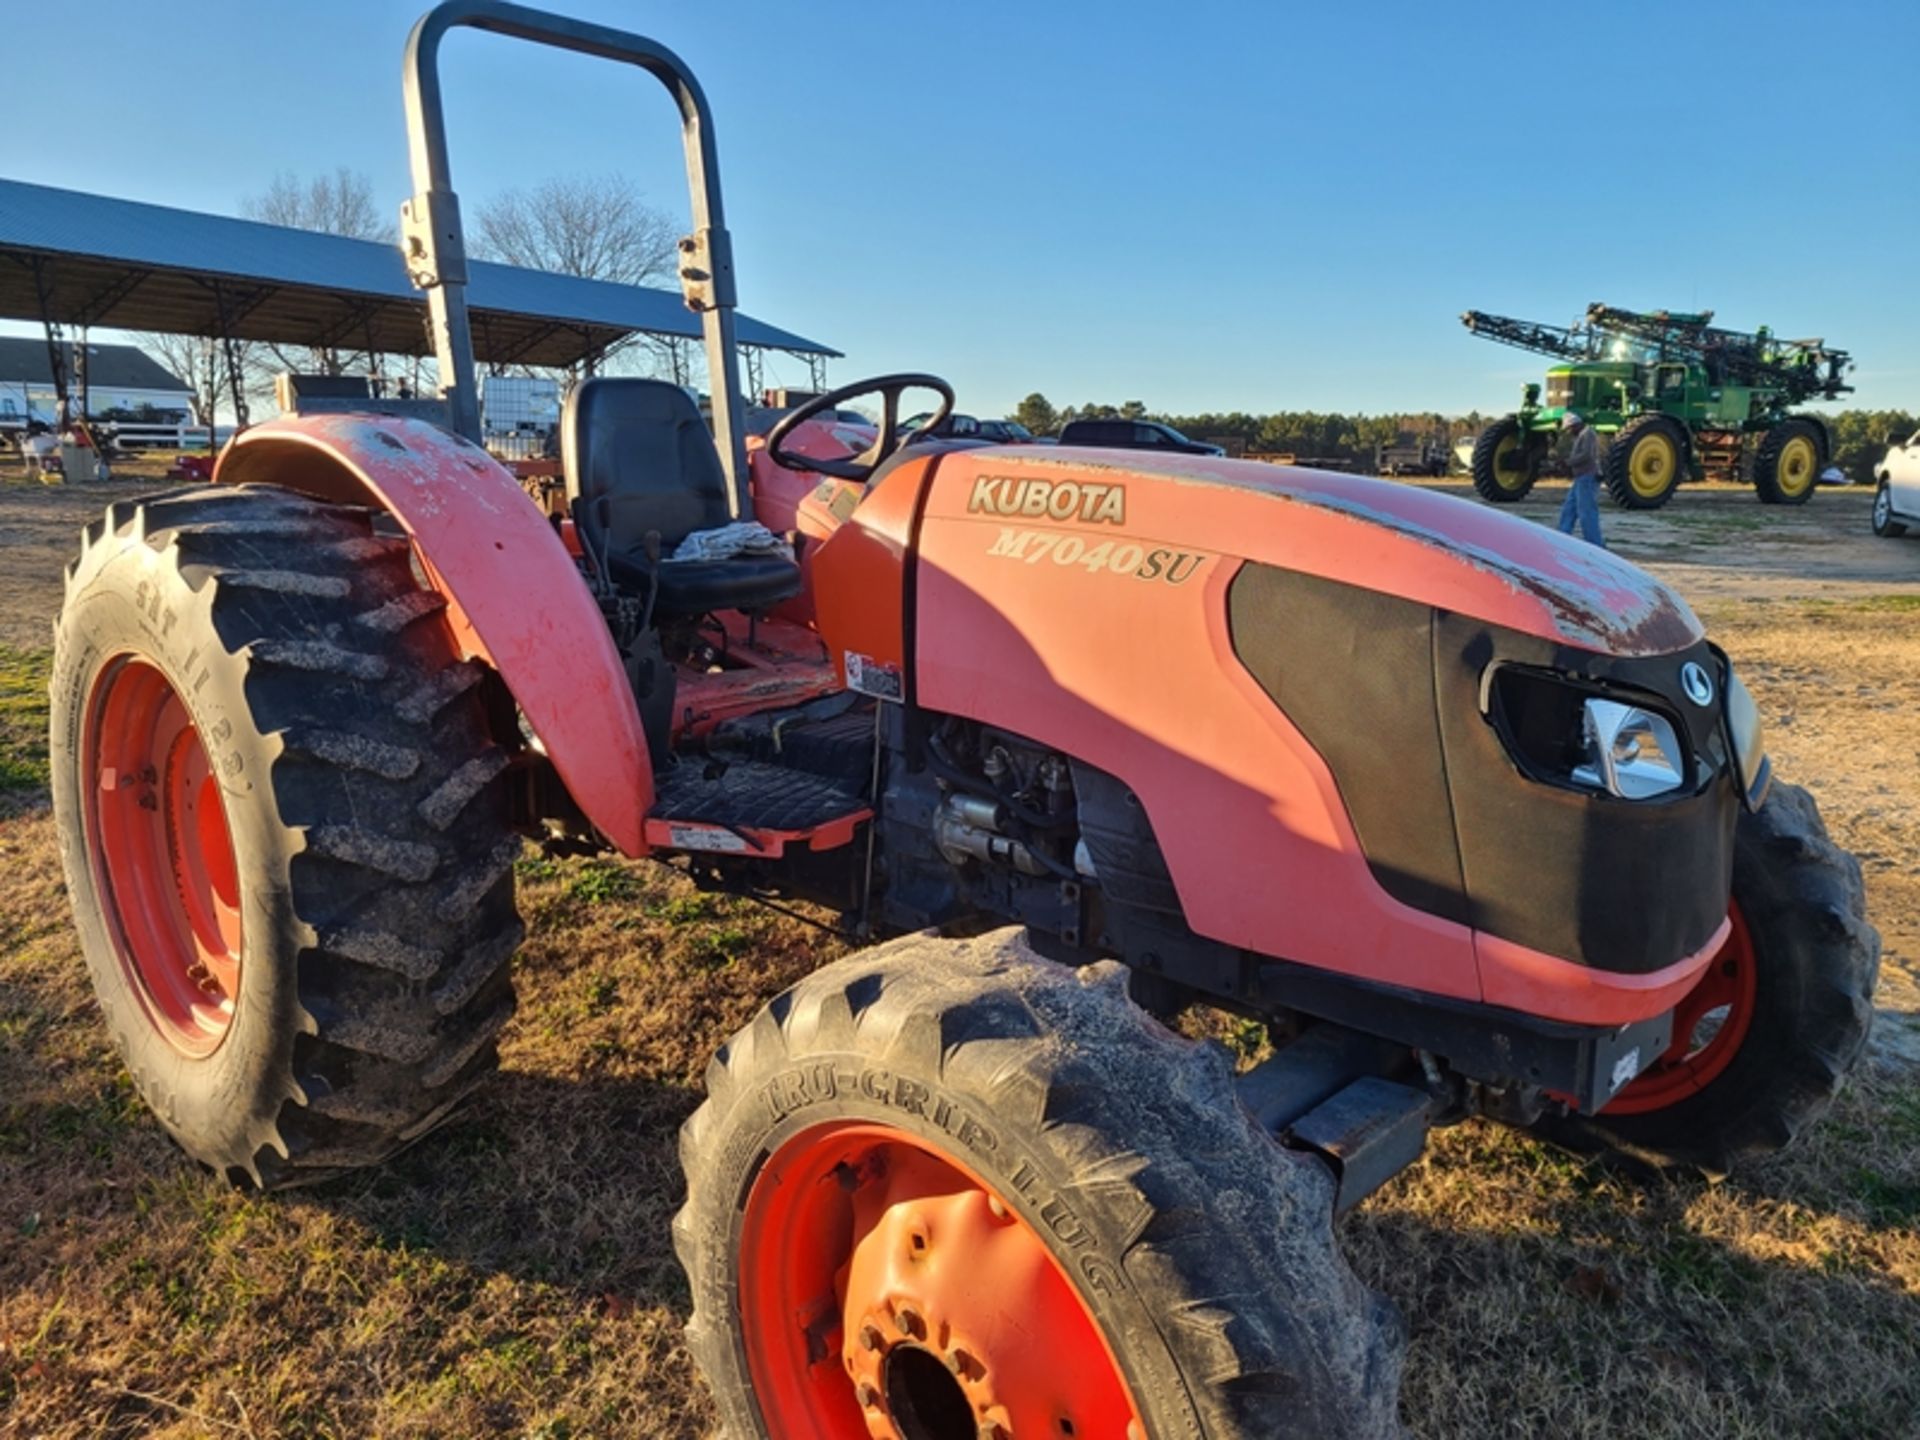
(887, 1292)
(1709, 1027)
(162, 855)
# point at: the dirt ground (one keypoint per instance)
(513, 1276)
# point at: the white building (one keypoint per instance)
(124, 384)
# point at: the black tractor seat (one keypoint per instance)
(693, 587)
(639, 460)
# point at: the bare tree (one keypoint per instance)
(197, 362)
(599, 228)
(336, 204)
(596, 227)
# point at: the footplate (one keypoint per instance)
(751, 809)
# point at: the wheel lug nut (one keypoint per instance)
(997, 1207)
(870, 1338)
(993, 1430)
(867, 1395)
(910, 1323)
(959, 1362)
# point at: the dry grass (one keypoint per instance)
(513, 1275)
(1549, 1297)
(23, 722)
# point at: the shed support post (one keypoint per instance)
(56, 348)
(232, 350)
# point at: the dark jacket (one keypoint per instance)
(1584, 458)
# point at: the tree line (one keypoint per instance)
(1329, 435)
(1860, 437)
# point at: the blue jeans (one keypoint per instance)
(1583, 503)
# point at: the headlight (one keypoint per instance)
(1630, 752)
(1749, 746)
(1568, 734)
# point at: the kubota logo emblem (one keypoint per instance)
(1050, 499)
(1697, 683)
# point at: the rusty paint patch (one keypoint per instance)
(1600, 602)
(1596, 600)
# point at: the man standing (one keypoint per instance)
(1583, 501)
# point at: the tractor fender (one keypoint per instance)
(514, 596)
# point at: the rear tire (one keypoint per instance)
(1645, 462)
(1883, 522)
(1505, 462)
(1787, 463)
(1805, 1025)
(1201, 1251)
(369, 881)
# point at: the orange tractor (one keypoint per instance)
(1473, 817)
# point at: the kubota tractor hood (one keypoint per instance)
(1399, 539)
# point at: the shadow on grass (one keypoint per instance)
(514, 1272)
(1547, 1294)
(1677, 1334)
(550, 1182)
(517, 1266)
(511, 1274)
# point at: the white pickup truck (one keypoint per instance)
(1896, 501)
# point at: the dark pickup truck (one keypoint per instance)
(1134, 435)
(966, 427)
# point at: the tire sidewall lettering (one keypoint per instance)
(189, 665)
(845, 1088)
(799, 1088)
(134, 602)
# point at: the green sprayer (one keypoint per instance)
(1677, 397)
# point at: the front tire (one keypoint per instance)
(1787, 463)
(283, 828)
(967, 1191)
(1780, 1017)
(1645, 462)
(1884, 524)
(1505, 462)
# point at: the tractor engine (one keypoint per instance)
(987, 825)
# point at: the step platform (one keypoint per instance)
(749, 808)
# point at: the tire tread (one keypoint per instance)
(1225, 1235)
(390, 805)
(1807, 896)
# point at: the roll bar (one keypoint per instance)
(435, 244)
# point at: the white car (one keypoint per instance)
(1896, 501)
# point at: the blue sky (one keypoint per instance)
(1203, 206)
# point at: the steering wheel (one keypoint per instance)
(858, 467)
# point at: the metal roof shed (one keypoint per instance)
(77, 259)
